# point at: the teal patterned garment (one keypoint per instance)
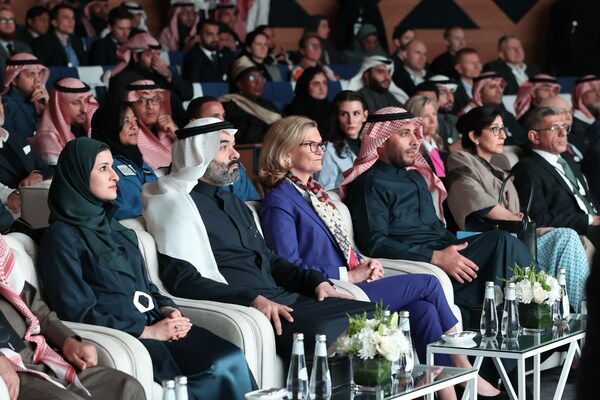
(562, 248)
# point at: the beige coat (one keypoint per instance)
(473, 187)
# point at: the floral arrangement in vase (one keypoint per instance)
(536, 292)
(535, 287)
(373, 345)
(376, 337)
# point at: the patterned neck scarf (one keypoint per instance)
(326, 210)
(11, 279)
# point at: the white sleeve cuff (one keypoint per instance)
(343, 274)
(590, 219)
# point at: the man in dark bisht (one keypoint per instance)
(210, 247)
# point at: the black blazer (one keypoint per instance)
(502, 69)
(461, 98)
(197, 67)
(402, 79)
(20, 47)
(104, 51)
(12, 173)
(554, 203)
(50, 51)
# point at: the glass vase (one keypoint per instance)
(535, 316)
(371, 374)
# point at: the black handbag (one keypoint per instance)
(525, 229)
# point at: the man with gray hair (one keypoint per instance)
(561, 196)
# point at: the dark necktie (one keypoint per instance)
(11, 49)
(213, 57)
(575, 183)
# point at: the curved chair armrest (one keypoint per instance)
(246, 327)
(119, 350)
(350, 289)
(3, 390)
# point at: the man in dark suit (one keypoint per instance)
(60, 47)
(561, 197)
(511, 64)
(104, 51)
(8, 32)
(37, 22)
(468, 66)
(414, 71)
(445, 62)
(19, 166)
(205, 62)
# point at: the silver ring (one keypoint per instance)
(176, 328)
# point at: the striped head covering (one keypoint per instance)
(54, 131)
(379, 128)
(480, 82)
(20, 62)
(526, 93)
(582, 86)
(12, 282)
(156, 150)
(138, 43)
(177, 8)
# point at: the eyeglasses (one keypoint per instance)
(149, 100)
(314, 146)
(496, 130)
(313, 46)
(6, 21)
(254, 78)
(556, 128)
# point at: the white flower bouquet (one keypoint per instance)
(371, 338)
(536, 287)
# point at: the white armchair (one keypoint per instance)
(245, 327)
(116, 349)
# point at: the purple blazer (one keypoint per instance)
(293, 230)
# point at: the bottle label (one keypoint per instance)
(321, 350)
(303, 374)
(489, 292)
(562, 280)
(298, 348)
(510, 294)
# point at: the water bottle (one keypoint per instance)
(563, 301)
(181, 389)
(169, 389)
(488, 324)
(297, 378)
(407, 361)
(509, 326)
(320, 379)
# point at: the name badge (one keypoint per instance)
(126, 170)
(143, 302)
(27, 149)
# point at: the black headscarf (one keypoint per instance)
(304, 104)
(107, 123)
(71, 201)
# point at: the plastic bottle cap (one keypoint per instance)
(181, 380)
(168, 384)
(298, 336)
(320, 338)
(404, 314)
(489, 284)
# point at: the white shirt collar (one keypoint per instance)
(429, 146)
(551, 158)
(468, 88)
(3, 137)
